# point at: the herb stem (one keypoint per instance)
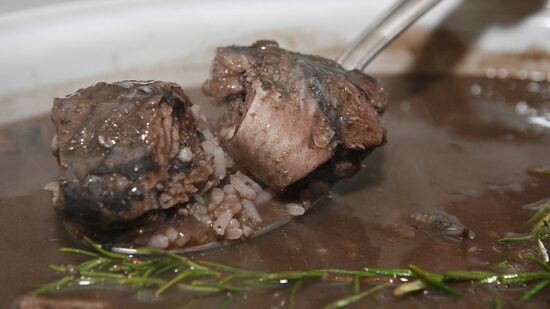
(342, 302)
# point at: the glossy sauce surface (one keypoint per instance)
(457, 145)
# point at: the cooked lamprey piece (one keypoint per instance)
(288, 113)
(124, 149)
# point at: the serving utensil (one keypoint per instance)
(356, 55)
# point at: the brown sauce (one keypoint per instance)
(458, 145)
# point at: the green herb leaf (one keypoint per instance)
(515, 238)
(54, 286)
(78, 251)
(409, 287)
(174, 280)
(534, 290)
(342, 302)
(295, 287)
(434, 280)
(395, 272)
(542, 264)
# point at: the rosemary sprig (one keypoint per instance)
(165, 271)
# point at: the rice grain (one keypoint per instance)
(222, 221)
(295, 209)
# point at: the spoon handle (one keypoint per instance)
(382, 31)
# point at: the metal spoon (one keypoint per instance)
(382, 31)
(356, 56)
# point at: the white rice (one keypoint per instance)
(233, 230)
(209, 147)
(219, 163)
(236, 208)
(222, 221)
(185, 155)
(229, 190)
(265, 197)
(217, 195)
(244, 190)
(249, 182)
(200, 212)
(295, 209)
(251, 211)
(212, 149)
(247, 230)
(234, 234)
(171, 234)
(228, 212)
(158, 241)
(234, 224)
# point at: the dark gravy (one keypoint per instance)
(458, 145)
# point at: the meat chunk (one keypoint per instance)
(124, 149)
(289, 113)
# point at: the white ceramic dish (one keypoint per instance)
(52, 50)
